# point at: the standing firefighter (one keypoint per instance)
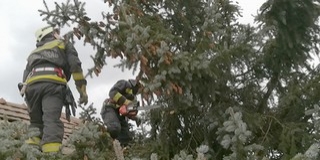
(116, 109)
(45, 78)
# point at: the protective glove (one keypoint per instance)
(83, 94)
(81, 85)
(129, 110)
(123, 110)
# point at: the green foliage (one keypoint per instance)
(90, 142)
(88, 114)
(12, 137)
(245, 92)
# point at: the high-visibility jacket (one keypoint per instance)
(121, 92)
(54, 61)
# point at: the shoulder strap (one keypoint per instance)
(49, 45)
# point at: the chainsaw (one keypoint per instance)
(142, 108)
(136, 107)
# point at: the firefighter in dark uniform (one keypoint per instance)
(49, 68)
(115, 111)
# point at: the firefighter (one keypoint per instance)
(49, 68)
(115, 109)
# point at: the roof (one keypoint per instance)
(13, 112)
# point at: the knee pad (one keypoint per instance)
(114, 129)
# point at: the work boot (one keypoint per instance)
(33, 141)
(51, 147)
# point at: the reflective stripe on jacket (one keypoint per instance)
(49, 74)
(120, 92)
(52, 53)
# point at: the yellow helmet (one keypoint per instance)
(42, 32)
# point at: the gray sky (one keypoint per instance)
(20, 19)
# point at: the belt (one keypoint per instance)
(59, 71)
(46, 69)
(109, 101)
(46, 74)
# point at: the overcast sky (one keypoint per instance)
(20, 19)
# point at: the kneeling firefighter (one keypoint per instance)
(49, 68)
(117, 108)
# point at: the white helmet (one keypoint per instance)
(42, 32)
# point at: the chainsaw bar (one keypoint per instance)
(147, 107)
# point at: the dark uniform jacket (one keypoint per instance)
(52, 53)
(121, 91)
